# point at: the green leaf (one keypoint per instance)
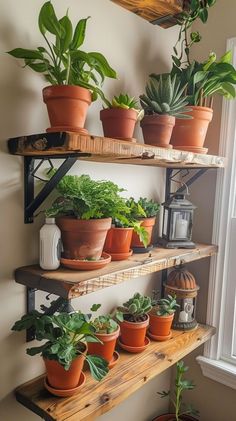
(226, 58)
(103, 64)
(38, 67)
(64, 41)
(48, 21)
(79, 34)
(95, 307)
(26, 54)
(203, 14)
(98, 366)
(176, 61)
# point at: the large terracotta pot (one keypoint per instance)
(59, 378)
(157, 129)
(133, 334)
(83, 239)
(160, 325)
(67, 107)
(190, 134)
(148, 224)
(118, 240)
(107, 348)
(171, 417)
(118, 123)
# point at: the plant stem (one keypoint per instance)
(68, 70)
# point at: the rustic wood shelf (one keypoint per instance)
(130, 374)
(71, 284)
(101, 149)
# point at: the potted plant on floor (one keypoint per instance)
(84, 211)
(65, 349)
(182, 412)
(164, 101)
(151, 208)
(107, 331)
(71, 72)
(120, 117)
(134, 319)
(161, 318)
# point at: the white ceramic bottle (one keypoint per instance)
(49, 245)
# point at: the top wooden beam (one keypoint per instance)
(102, 149)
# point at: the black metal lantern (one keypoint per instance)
(177, 222)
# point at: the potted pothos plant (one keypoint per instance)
(73, 74)
(134, 319)
(164, 102)
(65, 349)
(151, 209)
(161, 318)
(181, 412)
(120, 116)
(107, 331)
(84, 210)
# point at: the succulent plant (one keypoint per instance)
(137, 306)
(124, 101)
(165, 96)
(165, 306)
(104, 324)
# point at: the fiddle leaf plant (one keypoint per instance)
(66, 336)
(61, 60)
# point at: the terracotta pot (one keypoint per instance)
(133, 334)
(118, 240)
(191, 133)
(148, 223)
(118, 123)
(59, 378)
(105, 350)
(171, 417)
(160, 325)
(157, 129)
(83, 239)
(67, 107)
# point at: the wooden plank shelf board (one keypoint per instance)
(71, 284)
(102, 149)
(130, 374)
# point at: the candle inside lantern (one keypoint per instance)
(181, 228)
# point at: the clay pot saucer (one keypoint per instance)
(115, 359)
(75, 264)
(65, 392)
(159, 338)
(121, 256)
(194, 149)
(135, 349)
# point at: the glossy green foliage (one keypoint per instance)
(149, 206)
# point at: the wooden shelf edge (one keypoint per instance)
(130, 374)
(71, 284)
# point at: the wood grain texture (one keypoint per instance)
(153, 10)
(71, 284)
(130, 374)
(102, 149)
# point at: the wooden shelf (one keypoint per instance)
(71, 284)
(130, 374)
(101, 149)
(160, 12)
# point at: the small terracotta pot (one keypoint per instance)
(160, 325)
(157, 129)
(191, 133)
(59, 378)
(133, 334)
(171, 417)
(83, 238)
(118, 240)
(148, 223)
(67, 107)
(105, 350)
(118, 123)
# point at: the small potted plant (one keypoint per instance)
(71, 72)
(164, 101)
(120, 117)
(161, 318)
(151, 208)
(182, 412)
(134, 320)
(107, 331)
(84, 211)
(65, 349)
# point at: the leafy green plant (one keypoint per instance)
(63, 62)
(137, 306)
(165, 306)
(164, 95)
(149, 206)
(181, 385)
(65, 336)
(104, 323)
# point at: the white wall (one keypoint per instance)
(134, 48)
